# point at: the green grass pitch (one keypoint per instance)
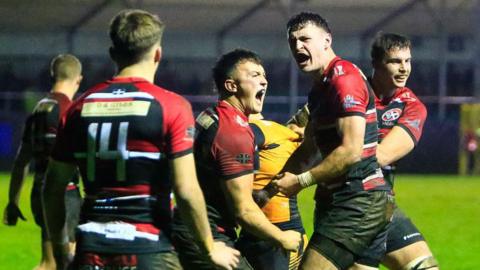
(445, 208)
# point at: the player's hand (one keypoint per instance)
(291, 240)
(299, 130)
(223, 256)
(11, 215)
(287, 183)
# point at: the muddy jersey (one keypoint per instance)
(343, 91)
(41, 130)
(404, 110)
(122, 134)
(224, 149)
(275, 144)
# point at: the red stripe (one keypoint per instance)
(144, 146)
(368, 152)
(126, 191)
(373, 183)
(90, 100)
(146, 227)
(372, 117)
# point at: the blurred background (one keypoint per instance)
(445, 75)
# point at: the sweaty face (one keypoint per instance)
(308, 46)
(251, 83)
(395, 67)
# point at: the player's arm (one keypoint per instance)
(335, 164)
(191, 204)
(57, 177)
(238, 192)
(20, 169)
(394, 146)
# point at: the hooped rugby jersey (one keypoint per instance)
(41, 129)
(404, 110)
(343, 91)
(121, 134)
(224, 149)
(275, 144)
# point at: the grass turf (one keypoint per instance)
(446, 209)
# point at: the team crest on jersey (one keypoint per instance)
(118, 91)
(391, 115)
(350, 102)
(240, 121)
(243, 158)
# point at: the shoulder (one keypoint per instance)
(411, 100)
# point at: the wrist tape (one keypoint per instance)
(306, 179)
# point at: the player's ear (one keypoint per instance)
(158, 54)
(230, 85)
(328, 41)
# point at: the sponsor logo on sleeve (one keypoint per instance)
(190, 133)
(413, 123)
(350, 102)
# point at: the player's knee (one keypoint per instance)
(422, 263)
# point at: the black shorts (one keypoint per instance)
(73, 204)
(148, 261)
(189, 253)
(266, 255)
(401, 232)
(351, 220)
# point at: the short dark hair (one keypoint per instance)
(65, 67)
(384, 42)
(303, 18)
(227, 63)
(133, 32)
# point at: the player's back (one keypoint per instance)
(41, 129)
(124, 131)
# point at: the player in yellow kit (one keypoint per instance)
(275, 144)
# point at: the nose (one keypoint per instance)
(264, 81)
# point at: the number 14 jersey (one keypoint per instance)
(121, 134)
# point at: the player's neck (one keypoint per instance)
(382, 90)
(328, 58)
(139, 70)
(234, 102)
(66, 87)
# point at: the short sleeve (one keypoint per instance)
(413, 119)
(234, 154)
(352, 93)
(180, 129)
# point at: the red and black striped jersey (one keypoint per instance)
(41, 129)
(343, 92)
(121, 134)
(224, 149)
(404, 110)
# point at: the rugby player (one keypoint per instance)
(353, 202)
(37, 142)
(401, 116)
(132, 142)
(224, 153)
